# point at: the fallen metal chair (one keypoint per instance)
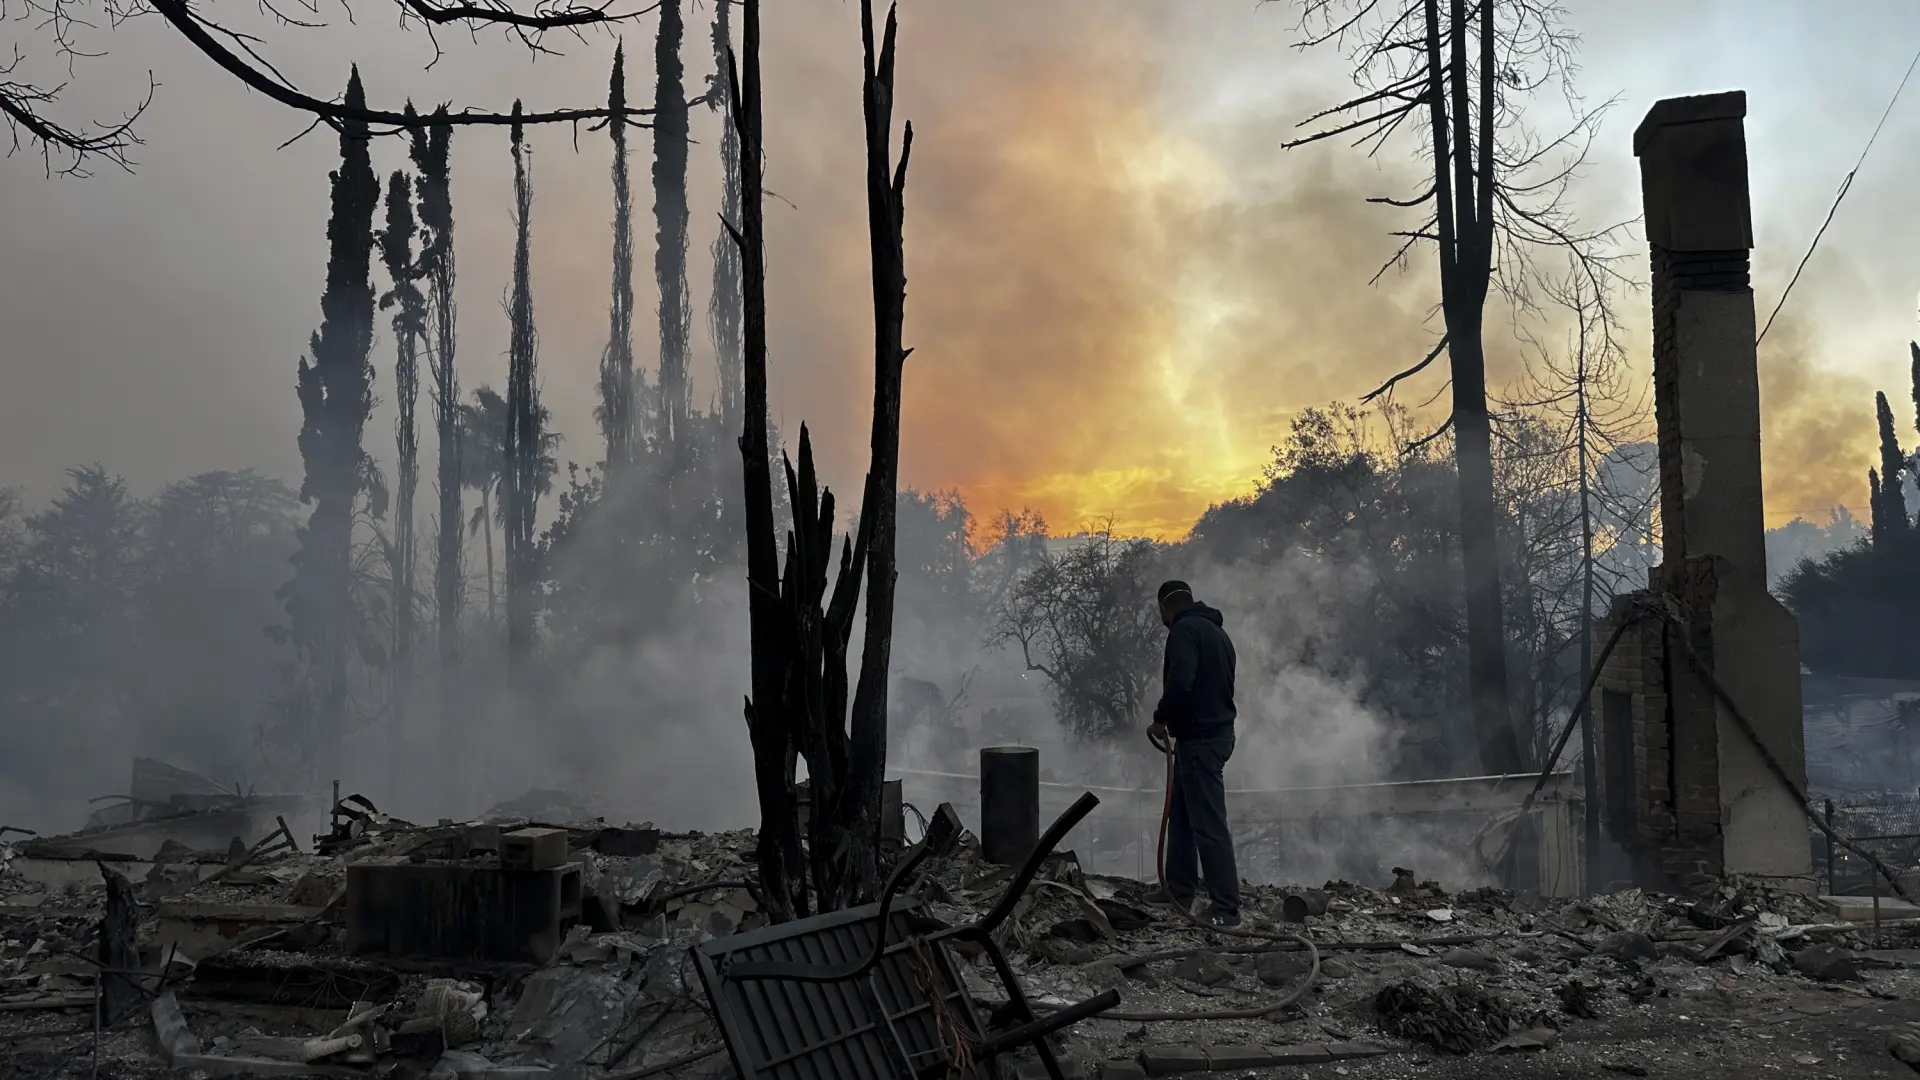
(873, 992)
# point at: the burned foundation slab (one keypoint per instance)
(474, 910)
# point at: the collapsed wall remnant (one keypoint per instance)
(1687, 789)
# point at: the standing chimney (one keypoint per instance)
(1726, 810)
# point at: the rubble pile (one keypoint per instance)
(270, 958)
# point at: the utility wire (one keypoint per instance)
(1845, 185)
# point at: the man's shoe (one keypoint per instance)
(1223, 921)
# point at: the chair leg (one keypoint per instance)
(1023, 1009)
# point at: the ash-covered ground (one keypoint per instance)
(244, 968)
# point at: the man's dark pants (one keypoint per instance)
(1197, 837)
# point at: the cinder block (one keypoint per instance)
(458, 910)
(483, 838)
(533, 849)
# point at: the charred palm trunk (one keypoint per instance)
(520, 464)
(336, 395)
(670, 131)
(616, 368)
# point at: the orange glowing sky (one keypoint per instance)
(1120, 287)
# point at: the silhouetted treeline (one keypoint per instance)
(1856, 605)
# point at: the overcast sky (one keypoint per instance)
(1120, 287)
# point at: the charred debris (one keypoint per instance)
(539, 940)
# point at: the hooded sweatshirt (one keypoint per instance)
(1197, 699)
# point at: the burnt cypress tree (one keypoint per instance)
(1914, 349)
(335, 384)
(431, 148)
(409, 325)
(723, 303)
(616, 364)
(1889, 503)
(520, 455)
(670, 126)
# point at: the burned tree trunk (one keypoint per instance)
(336, 395)
(886, 189)
(430, 151)
(118, 951)
(616, 367)
(779, 857)
(1453, 76)
(815, 682)
(1464, 216)
(409, 324)
(723, 305)
(801, 635)
(670, 219)
(520, 454)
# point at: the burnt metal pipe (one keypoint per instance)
(1009, 804)
(1300, 906)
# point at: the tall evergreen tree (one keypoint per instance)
(1889, 503)
(521, 452)
(616, 365)
(670, 128)
(1914, 349)
(336, 395)
(723, 302)
(431, 147)
(409, 325)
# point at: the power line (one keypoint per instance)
(1845, 185)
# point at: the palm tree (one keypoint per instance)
(483, 433)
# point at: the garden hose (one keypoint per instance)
(1160, 863)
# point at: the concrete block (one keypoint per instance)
(533, 849)
(1123, 1070)
(1221, 1058)
(483, 838)
(1301, 1054)
(1859, 909)
(458, 910)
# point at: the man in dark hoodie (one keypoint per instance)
(1196, 710)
